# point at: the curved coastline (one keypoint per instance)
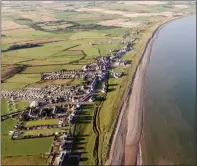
(130, 122)
(141, 145)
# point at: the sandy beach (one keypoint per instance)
(125, 146)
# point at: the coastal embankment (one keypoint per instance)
(125, 144)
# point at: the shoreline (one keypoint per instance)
(132, 112)
(140, 146)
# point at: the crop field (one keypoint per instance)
(39, 37)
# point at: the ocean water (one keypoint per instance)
(170, 96)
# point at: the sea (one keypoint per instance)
(170, 96)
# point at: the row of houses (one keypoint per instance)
(36, 113)
(63, 74)
(63, 144)
(10, 115)
(62, 149)
(17, 135)
(54, 92)
(38, 127)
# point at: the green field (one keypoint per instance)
(24, 160)
(41, 122)
(50, 68)
(4, 107)
(19, 81)
(7, 125)
(85, 136)
(42, 131)
(19, 106)
(85, 17)
(26, 56)
(21, 147)
(25, 147)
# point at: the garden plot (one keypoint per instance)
(41, 122)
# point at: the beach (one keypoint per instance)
(125, 145)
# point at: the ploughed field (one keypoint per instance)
(58, 38)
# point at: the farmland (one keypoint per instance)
(29, 146)
(60, 34)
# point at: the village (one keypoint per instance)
(63, 102)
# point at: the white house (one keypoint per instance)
(33, 104)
